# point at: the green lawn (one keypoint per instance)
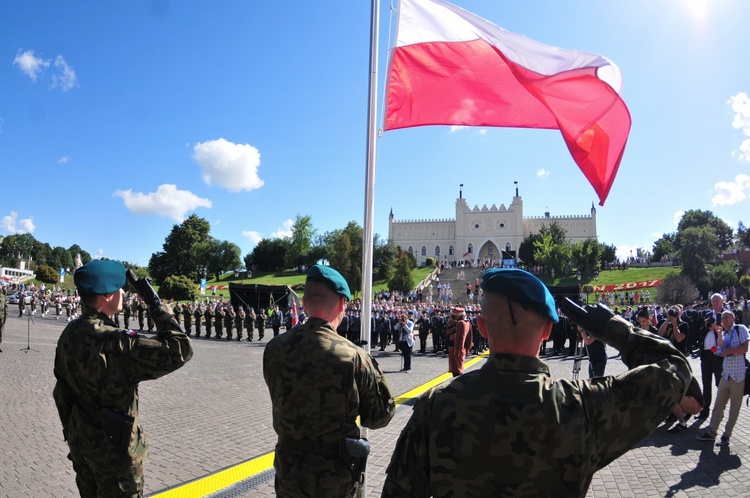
(613, 277)
(292, 278)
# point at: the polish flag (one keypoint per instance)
(451, 67)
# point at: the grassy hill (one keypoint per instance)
(292, 278)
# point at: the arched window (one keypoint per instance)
(411, 250)
(507, 247)
(424, 250)
(451, 251)
(471, 249)
(437, 250)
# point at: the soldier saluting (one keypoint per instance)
(98, 367)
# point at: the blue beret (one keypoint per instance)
(100, 276)
(523, 287)
(331, 278)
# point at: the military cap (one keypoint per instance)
(523, 287)
(100, 276)
(331, 278)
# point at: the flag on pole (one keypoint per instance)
(451, 67)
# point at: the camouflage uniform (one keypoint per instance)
(187, 318)
(509, 429)
(319, 383)
(99, 366)
(197, 314)
(249, 324)
(239, 322)
(219, 323)
(260, 323)
(208, 316)
(229, 321)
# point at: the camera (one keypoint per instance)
(672, 312)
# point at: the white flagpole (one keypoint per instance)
(367, 232)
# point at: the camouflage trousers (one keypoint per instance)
(305, 475)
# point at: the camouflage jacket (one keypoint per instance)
(98, 365)
(509, 429)
(319, 383)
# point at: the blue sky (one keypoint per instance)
(120, 119)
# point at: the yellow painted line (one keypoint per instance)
(222, 479)
(417, 391)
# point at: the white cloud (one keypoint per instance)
(656, 235)
(67, 78)
(542, 173)
(63, 160)
(29, 64)
(455, 128)
(728, 193)
(741, 121)
(677, 217)
(166, 201)
(284, 232)
(229, 165)
(482, 131)
(252, 236)
(14, 226)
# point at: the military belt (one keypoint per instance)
(305, 445)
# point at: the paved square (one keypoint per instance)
(215, 413)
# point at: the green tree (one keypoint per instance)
(526, 249)
(76, 249)
(403, 276)
(47, 274)
(742, 239)
(556, 231)
(723, 275)
(179, 288)
(268, 255)
(586, 256)
(676, 289)
(699, 246)
(383, 258)
(665, 248)
(553, 256)
(301, 243)
(344, 252)
(224, 256)
(177, 255)
(696, 218)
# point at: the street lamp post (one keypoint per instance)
(578, 277)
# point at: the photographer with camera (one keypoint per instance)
(509, 428)
(98, 367)
(674, 329)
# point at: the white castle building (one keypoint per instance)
(481, 233)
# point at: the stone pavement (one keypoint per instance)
(215, 413)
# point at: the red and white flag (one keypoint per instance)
(451, 67)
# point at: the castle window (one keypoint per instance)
(451, 251)
(424, 250)
(471, 249)
(437, 250)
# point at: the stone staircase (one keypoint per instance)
(457, 277)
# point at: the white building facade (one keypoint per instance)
(479, 234)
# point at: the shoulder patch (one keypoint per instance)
(131, 333)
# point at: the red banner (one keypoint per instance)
(627, 286)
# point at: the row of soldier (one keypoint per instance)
(214, 319)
